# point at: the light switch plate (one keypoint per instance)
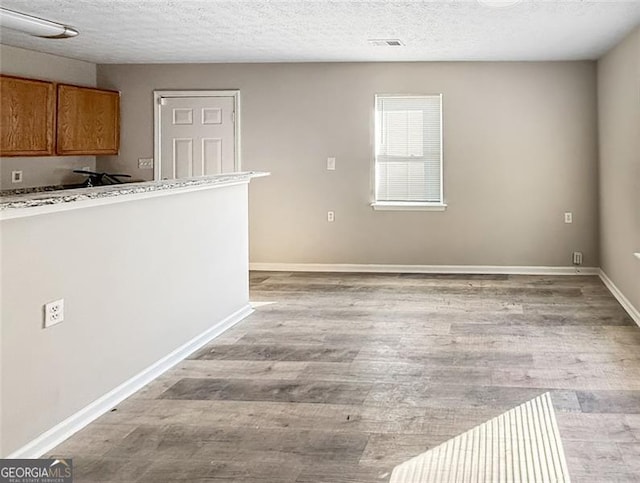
(16, 176)
(145, 163)
(331, 164)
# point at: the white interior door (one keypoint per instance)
(197, 136)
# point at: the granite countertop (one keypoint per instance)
(52, 195)
(35, 189)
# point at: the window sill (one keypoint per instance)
(407, 206)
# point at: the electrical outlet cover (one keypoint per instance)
(577, 258)
(53, 313)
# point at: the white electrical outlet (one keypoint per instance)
(577, 258)
(53, 313)
(145, 163)
(331, 216)
(568, 217)
(16, 176)
(331, 164)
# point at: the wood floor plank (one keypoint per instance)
(430, 395)
(390, 372)
(585, 376)
(208, 470)
(261, 390)
(108, 470)
(610, 428)
(597, 462)
(631, 456)
(251, 369)
(255, 352)
(191, 441)
(344, 325)
(627, 402)
(453, 357)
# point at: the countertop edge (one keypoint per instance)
(21, 206)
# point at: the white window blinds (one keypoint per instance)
(408, 156)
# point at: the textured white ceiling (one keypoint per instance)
(161, 31)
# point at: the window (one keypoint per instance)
(408, 152)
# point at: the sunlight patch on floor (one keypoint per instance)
(521, 445)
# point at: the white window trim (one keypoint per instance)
(404, 205)
(407, 206)
(157, 98)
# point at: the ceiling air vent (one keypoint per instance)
(386, 42)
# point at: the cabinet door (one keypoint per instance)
(26, 117)
(88, 121)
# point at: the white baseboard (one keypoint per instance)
(633, 312)
(470, 269)
(56, 435)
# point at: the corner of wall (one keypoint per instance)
(618, 77)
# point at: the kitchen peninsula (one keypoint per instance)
(148, 273)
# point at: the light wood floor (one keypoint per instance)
(345, 376)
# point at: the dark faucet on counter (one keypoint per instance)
(100, 179)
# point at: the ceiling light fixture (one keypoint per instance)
(35, 26)
(499, 3)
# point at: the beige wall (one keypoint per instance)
(619, 126)
(138, 278)
(41, 171)
(520, 148)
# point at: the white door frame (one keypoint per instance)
(157, 98)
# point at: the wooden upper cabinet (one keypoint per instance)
(27, 114)
(88, 121)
